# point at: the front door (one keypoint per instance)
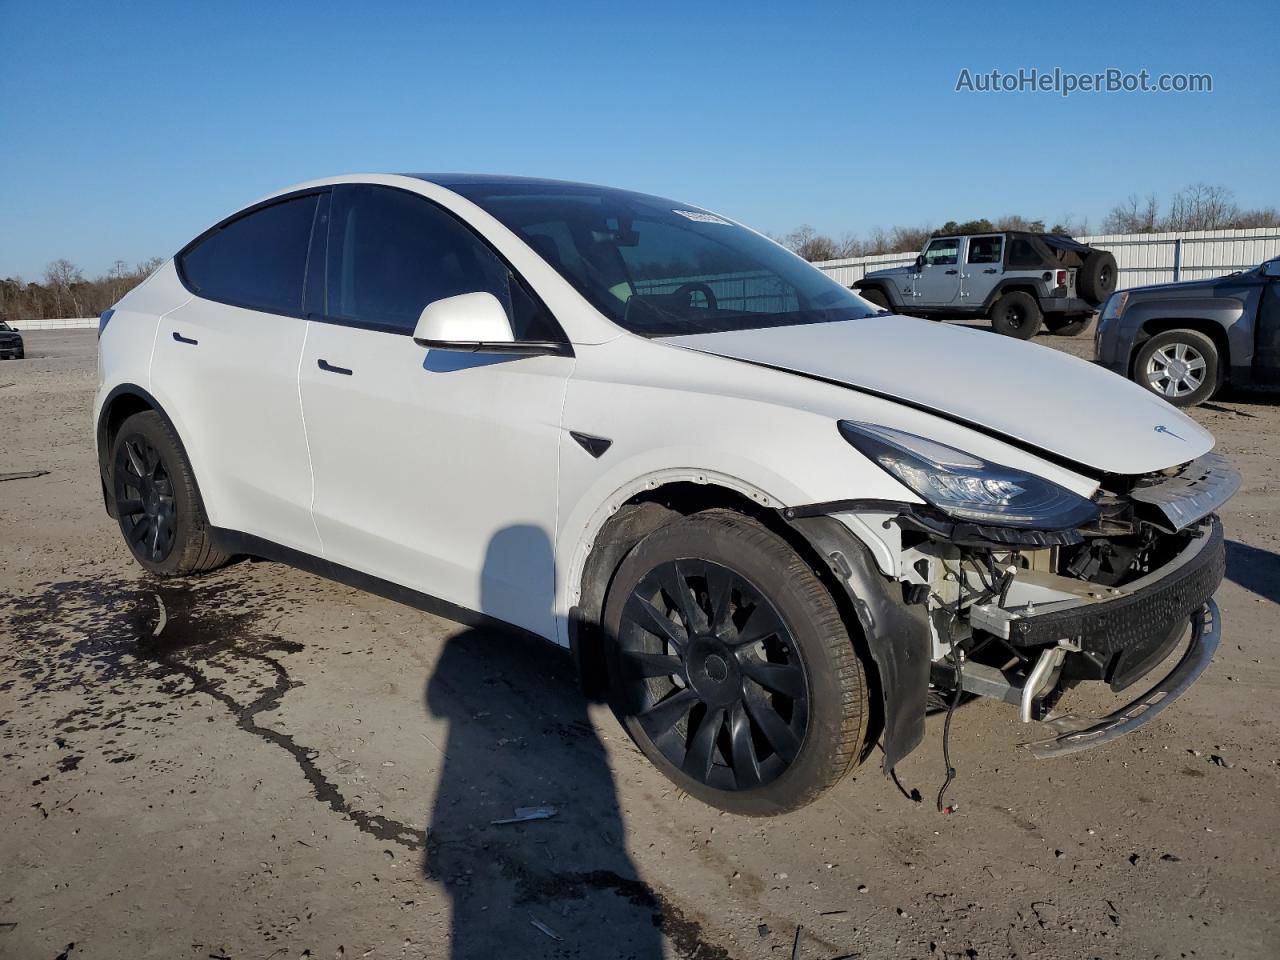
(938, 280)
(1266, 354)
(435, 470)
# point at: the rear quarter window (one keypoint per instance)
(257, 260)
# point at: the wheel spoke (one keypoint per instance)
(654, 621)
(746, 768)
(129, 507)
(139, 532)
(775, 730)
(760, 625)
(1171, 388)
(1196, 364)
(778, 677)
(135, 460)
(662, 716)
(676, 587)
(720, 594)
(652, 664)
(698, 759)
(1180, 351)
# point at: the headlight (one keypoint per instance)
(1114, 306)
(967, 487)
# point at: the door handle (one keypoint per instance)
(991, 270)
(950, 272)
(329, 367)
(181, 339)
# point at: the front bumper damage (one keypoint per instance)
(1025, 616)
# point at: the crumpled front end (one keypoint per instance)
(1024, 616)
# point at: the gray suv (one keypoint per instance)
(1185, 340)
(1018, 280)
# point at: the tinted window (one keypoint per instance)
(391, 253)
(942, 252)
(985, 249)
(256, 261)
(658, 267)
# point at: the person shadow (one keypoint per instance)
(519, 736)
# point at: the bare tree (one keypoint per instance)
(1014, 222)
(1072, 227)
(62, 275)
(806, 242)
(1202, 206)
(1135, 215)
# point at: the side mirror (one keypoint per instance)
(1271, 268)
(919, 262)
(469, 322)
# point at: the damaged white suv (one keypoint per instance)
(781, 524)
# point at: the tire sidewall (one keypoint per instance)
(150, 427)
(1193, 338)
(808, 775)
(1024, 302)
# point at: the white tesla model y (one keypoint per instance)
(781, 521)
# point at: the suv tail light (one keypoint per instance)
(1062, 278)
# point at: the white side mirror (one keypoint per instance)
(469, 321)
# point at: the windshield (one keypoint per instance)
(662, 268)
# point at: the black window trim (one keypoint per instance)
(226, 222)
(560, 347)
(968, 251)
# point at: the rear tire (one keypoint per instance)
(877, 297)
(1017, 315)
(1067, 327)
(731, 667)
(1181, 366)
(1096, 279)
(156, 501)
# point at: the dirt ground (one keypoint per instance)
(295, 769)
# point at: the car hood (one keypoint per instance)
(1059, 404)
(1185, 287)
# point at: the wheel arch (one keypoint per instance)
(1209, 327)
(121, 403)
(1012, 285)
(653, 507)
(881, 286)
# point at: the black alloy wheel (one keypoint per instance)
(712, 675)
(145, 499)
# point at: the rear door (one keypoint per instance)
(225, 367)
(1266, 355)
(984, 256)
(938, 280)
(436, 470)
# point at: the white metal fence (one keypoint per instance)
(1141, 258)
(66, 323)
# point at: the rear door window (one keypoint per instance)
(257, 260)
(985, 249)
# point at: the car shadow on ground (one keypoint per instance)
(1254, 569)
(519, 737)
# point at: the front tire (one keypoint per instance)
(1017, 315)
(156, 501)
(877, 297)
(731, 667)
(1182, 366)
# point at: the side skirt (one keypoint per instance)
(235, 543)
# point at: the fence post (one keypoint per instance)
(1177, 259)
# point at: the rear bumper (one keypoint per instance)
(1065, 305)
(1083, 734)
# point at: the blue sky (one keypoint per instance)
(125, 129)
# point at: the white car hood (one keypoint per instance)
(1057, 403)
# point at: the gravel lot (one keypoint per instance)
(294, 769)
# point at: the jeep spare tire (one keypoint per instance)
(1097, 278)
(1016, 314)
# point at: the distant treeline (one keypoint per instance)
(65, 292)
(1200, 206)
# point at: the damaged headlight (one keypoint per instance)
(967, 487)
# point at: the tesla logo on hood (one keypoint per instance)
(1163, 429)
